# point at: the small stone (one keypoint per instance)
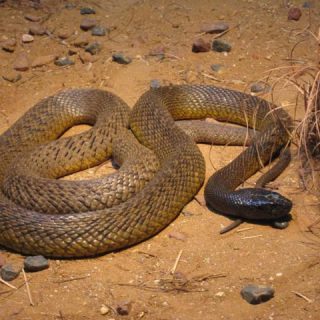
(43, 60)
(9, 45)
(294, 13)
(12, 76)
(81, 41)
(32, 18)
(177, 235)
(9, 272)
(86, 57)
(260, 87)
(216, 27)
(98, 31)
(93, 48)
(199, 45)
(155, 83)
(26, 38)
(104, 310)
(87, 24)
(69, 5)
(65, 34)
(307, 5)
(157, 51)
(37, 30)
(257, 294)
(221, 46)
(220, 294)
(35, 263)
(216, 67)
(123, 309)
(21, 63)
(120, 58)
(63, 61)
(281, 224)
(87, 10)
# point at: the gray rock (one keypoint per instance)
(216, 27)
(87, 24)
(63, 61)
(216, 67)
(221, 46)
(35, 263)
(121, 58)
(98, 31)
(93, 48)
(155, 83)
(280, 224)
(87, 10)
(307, 5)
(260, 87)
(123, 308)
(9, 272)
(199, 45)
(257, 294)
(37, 30)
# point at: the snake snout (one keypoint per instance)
(264, 204)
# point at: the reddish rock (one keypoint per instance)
(32, 18)
(294, 13)
(87, 24)
(9, 45)
(64, 34)
(81, 41)
(22, 62)
(86, 57)
(200, 45)
(216, 27)
(11, 76)
(37, 30)
(43, 60)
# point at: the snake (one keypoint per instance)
(161, 167)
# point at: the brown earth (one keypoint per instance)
(212, 268)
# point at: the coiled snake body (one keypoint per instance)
(42, 215)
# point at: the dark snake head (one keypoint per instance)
(256, 203)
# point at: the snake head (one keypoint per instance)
(257, 203)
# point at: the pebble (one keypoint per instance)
(260, 87)
(32, 17)
(199, 45)
(155, 83)
(87, 24)
(307, 5)
(87, 10)
(37, 30)
(9, 45)
(69, 5)
(21, 63)
(11, 76)
(81, 41)
(104, 310)
(157, 52)
(221, 46)
(216, 67)
(98, 31)
(216, 27)
(177, 235)
(9, 272)
(257, 294)
(280, 224)
(63, 61)
(86, 57)
(123, 309)
(35, 263)
(26, 38)
(93, 48)
(294, 13)
(121, 58)
(65, 34)
(43, 60)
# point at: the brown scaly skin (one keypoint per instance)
(177, 176)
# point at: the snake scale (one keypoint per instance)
(41, 214)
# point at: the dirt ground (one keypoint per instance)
(212, 268)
